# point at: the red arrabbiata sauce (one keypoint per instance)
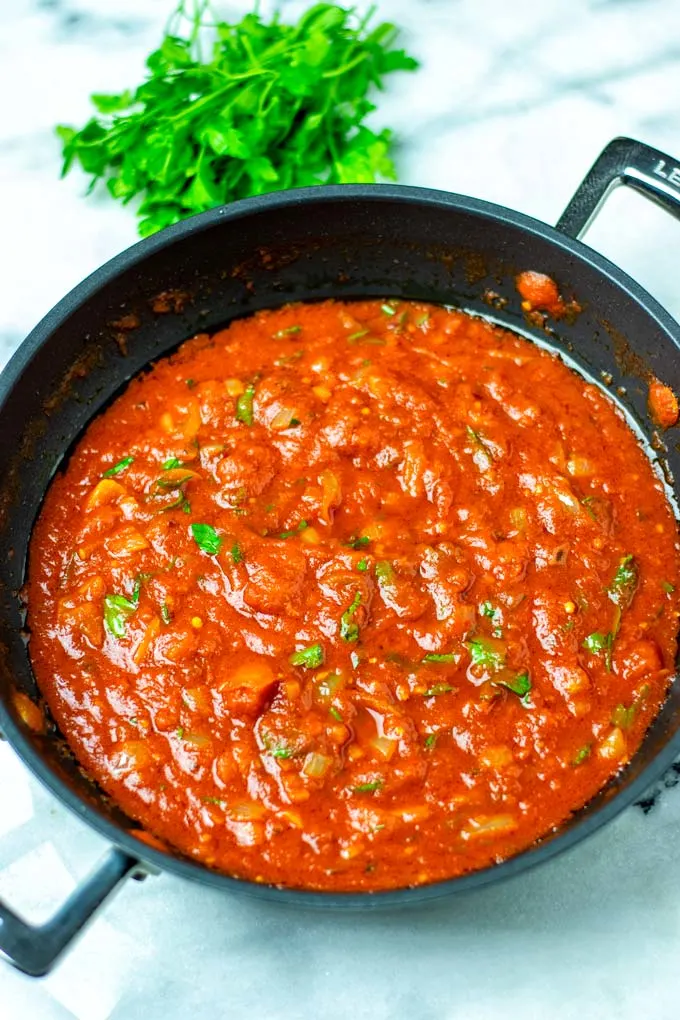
(355, 595)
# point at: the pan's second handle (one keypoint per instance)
(34, 949)
(623, 161)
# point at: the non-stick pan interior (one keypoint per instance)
(335, 242)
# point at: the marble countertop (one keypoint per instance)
(512, 104)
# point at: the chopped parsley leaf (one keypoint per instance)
(368, 787)
(206, 538)
(119, 467)
(244, 406)
(309, 657)
(349, 629)
(116, 611)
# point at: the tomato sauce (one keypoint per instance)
(355, 596)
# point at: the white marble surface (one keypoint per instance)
(513, 102)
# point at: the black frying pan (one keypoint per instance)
(344, 242)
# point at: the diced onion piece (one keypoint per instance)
(328, 685)
(496, 757)
(150, 634)
(384, 747)
(28, 712)
(283, 418)
(518, 516)
(293, 818)
(310, 536)
(580, 467)
(489, 825)
(106, 491)
(125, 542)
(198, 699)
(131, 756)
(234, 387)
(247, 811)
(174, 477)
(92, 588)
(316, 765)
(197, 739)
(613, 747)
(255, 675)
(331, 494)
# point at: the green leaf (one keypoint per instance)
(116, 611)
(357, 543)
(349, 629)
(206, 538)
(118, 468)
(623, 587)
(597, 642)
(234, 109)
(372, 787)
(519, 684)
(111, 103)
(244, 406)
(441, 657)
(434, 692)
(309, 657)
(171, 463)
(487, 653)
(582, 754)
(362, 565)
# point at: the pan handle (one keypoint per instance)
(34, 949)
(623, 161)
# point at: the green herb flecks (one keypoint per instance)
(487, 653)
(166, 615)
(288, 331)
(442, 657)
(598, 643)
(309, 657)
(236, 553)
(362, 565)
(438, 690)
(282, 752)
(372, 787)
(302, 526)
(244, 406)
(335, 713)
(430, 741)
(622, 589)
(117, 609)
(118, 468)
(482, 454)
(233, 110)
(668, 587)
(358, 542)
(171, 463)
(349, 628)
(206, 538)
(520, 684)
(582, 754)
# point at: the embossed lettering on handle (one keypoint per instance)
(623, 161)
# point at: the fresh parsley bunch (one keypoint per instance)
(263, 106)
